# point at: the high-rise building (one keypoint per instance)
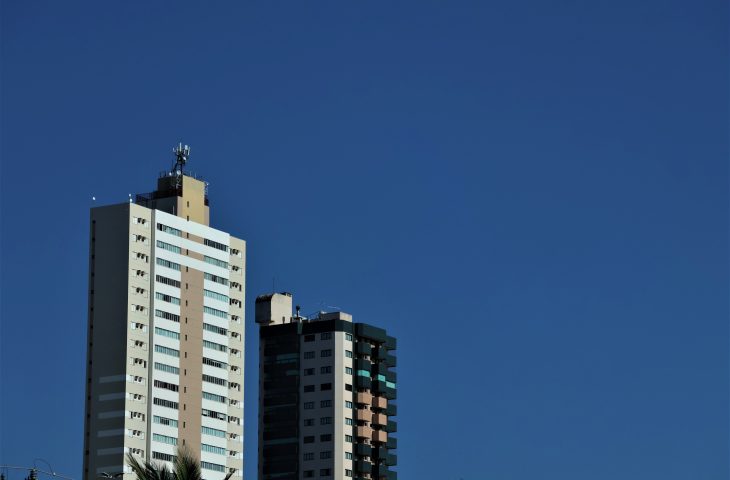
(326, 395)
(165, 332)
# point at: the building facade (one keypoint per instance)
(165, 333)
(326, 395)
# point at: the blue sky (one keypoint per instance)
(532, 196)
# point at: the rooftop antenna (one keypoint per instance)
(182, 153)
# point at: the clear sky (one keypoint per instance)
(532, 196)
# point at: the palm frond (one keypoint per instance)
(148, 470)
(186, 466)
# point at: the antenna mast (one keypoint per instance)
(182, 153)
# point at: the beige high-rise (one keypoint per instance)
(165, 334)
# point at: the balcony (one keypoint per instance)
(390, 360)
(378, 386)
(362, 414)
(363, 382)
(392, 443)
(379, 419)
(391, 410)
(391, 427)
(390, 393)
(380, 402)
(378, 435)
(370, 332)
(363, 467)
(362, 364)
(364, 432)
(364, 397)
(363, 450)
(391, 459)
(362, 348)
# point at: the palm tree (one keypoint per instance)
(185, 466)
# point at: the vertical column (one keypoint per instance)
(191, 357)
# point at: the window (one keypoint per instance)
(308, 422)
(348, 421)
(215, 312)
(167, 315)
(363, 373)
(308, 388)
(308, 338)
(348, 438)
(348, 404)
(215, 295)
(167, 333)
(170, 230)
(167, 298)
(325, 387)
(348, 353)
(170, 422)
(215, 346)
(326, 353)
(325, 336)
(348, 387)
(165, 403)
(348, 456)
(308, 405)
(348, 337)
(348, 473)
(165, 457)
(308, 474)
(325, 403)
(327, 437)
(169, 247)
(309, 439)
(215, 363)
(212, 449)
(214, 432)
(215, 380)
(212, 466)
(167, 281)
(167, 351)
(325, 472)
(168, 264)
(308, 456)
(348, 370)
(164, 439)
(214, 329)
(308, 371)
(216, 279)
(325, 421)
(216, 245)
(325, 455)
(138, 326)
(214, 397)
(215, 261)
(213, 414)
(167, 386)
(308, 355)
(324, 370)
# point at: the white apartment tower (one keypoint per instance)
(165, 332)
